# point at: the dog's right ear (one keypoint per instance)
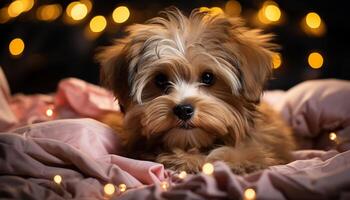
(114, 71)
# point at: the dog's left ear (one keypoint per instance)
(256, 53)
(114, 72)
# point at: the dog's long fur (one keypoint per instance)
(229, 123)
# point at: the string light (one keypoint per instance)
(49, 12)
(208, 168)
(57, 179)
(15, 8)
(98, 24)
(122, 187)
(164, 185)
(16, 46)
(333, 136)
(269, 13)
(249, 194)
(109, 189)
(88, 4)
(120, 14)
(49, 112)
(315, 60)
(313, 20)
(276, 60)
(27, 4)
(233, 8)
(79, 11)
(183, 175)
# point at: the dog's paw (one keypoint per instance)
(190, 161)
(239, 164)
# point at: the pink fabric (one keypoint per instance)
(85, 152)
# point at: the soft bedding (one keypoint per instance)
(47, 135)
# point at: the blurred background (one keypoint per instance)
(44, 41)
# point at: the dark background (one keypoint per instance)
(55, 50)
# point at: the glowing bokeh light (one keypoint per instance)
(204, 9)
(120, 14)
(272, 13)
(276, 60)
(49, 12)
(333, 136)
(233, 8)
(164, 185)
(249, 194)
(182, 174)
(4, 16)
(15, 8)
(57, 179)
(88, 4)
(27, 4)
(49, 112)
(79, 11)
(208, 168)
(315, 60)
(98, 24)
(16, 46)
(122, 187)
(313, 20)
(109, 189)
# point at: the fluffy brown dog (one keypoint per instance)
(190, 89)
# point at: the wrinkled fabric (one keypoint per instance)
(34, 147)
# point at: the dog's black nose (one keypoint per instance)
(184, 112)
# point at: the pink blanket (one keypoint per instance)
(84, 152)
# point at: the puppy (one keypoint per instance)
(190, 88)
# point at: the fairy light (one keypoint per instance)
(333, 136)
(164, 185)
(88, 4)
(270, 13)
(49, 12)
(208, 168)
(249, 194)
(212, 10)
(16, 47)
(122, 187)
(16, 8)
(27, 4)
(276, 60)
(98, 24)
(183, 175)
(315, 60)
(57, 179)
(109, 189)
(120, 14)
(79, 11)
(233, 8)
(313, 20)
(49, 112)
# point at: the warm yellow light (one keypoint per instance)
(109, 189)
(313, 20)
(49, 112)
(16, 46)
(4, 16)
(122, 187)
(164, 185)
(315, 60)
(208, 168)
(249, 194)
(27, 4)
(233, 8)
(15, 8)
(49, 12)
(120, 14)
(216, 11)
(276, 60)
(272, 13)
(333, 136)
(98, 24)
(57, 179)
(79, 11)
(88, 4)
(204, 9)
(183, 175)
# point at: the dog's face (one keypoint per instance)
(188, 82)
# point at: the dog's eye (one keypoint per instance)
(207, 78)
(161, 81)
